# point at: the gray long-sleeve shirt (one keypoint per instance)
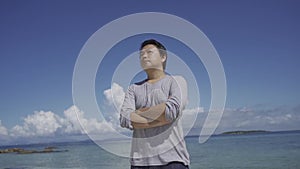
(163, 144)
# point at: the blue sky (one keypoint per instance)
(257, 41)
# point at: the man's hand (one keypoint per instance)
(148, 125)
(141, 110)
(135, 118)
(154, 113)
(137, 121)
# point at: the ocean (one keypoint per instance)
(276, 150)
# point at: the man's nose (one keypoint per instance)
(144, 56)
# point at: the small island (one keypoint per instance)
(24, 151)
(240, 132)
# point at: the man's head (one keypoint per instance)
(149, 51)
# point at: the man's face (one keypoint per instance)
(150, 58)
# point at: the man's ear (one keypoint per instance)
(163, 58)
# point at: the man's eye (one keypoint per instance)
(149, 52)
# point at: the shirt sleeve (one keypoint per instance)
(177, 98)
(127, 107)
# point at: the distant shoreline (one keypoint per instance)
(248, 132)
(241, 132)
(227, 133)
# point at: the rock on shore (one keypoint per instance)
(24, 151)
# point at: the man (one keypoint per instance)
(152, 109)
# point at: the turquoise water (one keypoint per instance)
(257, 151)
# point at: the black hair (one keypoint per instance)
(159, 46)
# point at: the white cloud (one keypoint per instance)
(38, 124)
(189, 117)
(75, 119)
(193, 111)
(72, 124)
(115, 95)
(50, 124)
(278, 118)
(3, 130)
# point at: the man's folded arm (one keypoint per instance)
(154, 116)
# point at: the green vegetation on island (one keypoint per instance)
(240, 132)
